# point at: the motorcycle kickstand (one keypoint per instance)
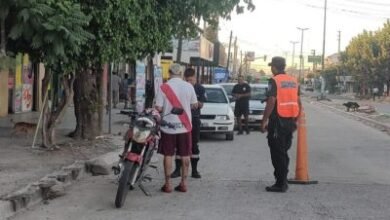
(144, 190)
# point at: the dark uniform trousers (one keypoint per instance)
(195, 137)
(279, 141)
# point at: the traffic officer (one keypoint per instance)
(190, 77)
(280, 116)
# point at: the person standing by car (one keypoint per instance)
(116, 84)
(242, 93)
(282, 110)
(176, 93)
(189, 76)
(125, 90)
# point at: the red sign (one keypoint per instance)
(11, 82)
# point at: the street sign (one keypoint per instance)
(314, 59)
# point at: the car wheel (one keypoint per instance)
(230, 136)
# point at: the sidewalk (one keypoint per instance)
(379, 119)
(20, 164)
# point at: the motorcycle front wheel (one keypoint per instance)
(124, 183)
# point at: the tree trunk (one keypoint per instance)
(53, 116)
(3, 37)
(150, 83)
(88, 104)
(76, 102)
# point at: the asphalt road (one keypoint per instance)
(350, 161)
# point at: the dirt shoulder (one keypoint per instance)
(21, 165)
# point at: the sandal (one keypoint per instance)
(181, 188)
(166, 189)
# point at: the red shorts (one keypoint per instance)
(181, 144)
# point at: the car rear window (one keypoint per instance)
(215, 95)
(228, 89)
(258, 93)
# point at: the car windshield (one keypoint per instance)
(258, 93)
(215, 95)
(228, 89)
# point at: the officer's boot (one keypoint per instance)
(194, 167)
(247, 125)
(177, 172)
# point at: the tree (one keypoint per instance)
(50, 32)
(123, 33)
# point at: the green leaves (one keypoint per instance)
(367, 57)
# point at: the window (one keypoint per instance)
(258, 93)
(228, 89)
(215, 95)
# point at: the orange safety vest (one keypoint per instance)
(287, 96)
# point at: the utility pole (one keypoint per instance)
(293, 53)
(240, 71)
(324, 37)
(179, 48)
(323, 51)
(235, 57)
(301, 64)
(313, 53)
(339, 42)
(230, 44)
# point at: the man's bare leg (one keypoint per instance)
(184, 171)
(167, 170)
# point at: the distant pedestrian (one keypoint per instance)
(116, 84)
(125, 90)
(180, 94)
(189, 76)
(242, 93)
(375, 92)
(282, 110)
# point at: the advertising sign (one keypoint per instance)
(250, 56)
(27, 87)
(220, 75)
(199, 47)
(165, 64)
(158, 79)
(140, 86)
(18, 84)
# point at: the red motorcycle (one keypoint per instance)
(141, 141)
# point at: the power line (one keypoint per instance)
(342, 10)
(370, 3)
(350, 9)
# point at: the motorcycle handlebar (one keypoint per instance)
(167, 124)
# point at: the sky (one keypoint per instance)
(269, 29)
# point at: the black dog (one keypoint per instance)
(351, 105)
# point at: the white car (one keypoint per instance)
(216, 115)
(228, 89)
(256, 104)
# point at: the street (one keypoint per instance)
(349, 159)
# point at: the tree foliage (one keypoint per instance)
(367, 58)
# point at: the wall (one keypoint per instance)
(3, 93)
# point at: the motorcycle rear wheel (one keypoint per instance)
(124, 183)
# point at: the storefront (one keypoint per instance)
(21, 86)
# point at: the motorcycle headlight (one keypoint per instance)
(222, 117)
(140, 135)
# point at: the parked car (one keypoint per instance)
(256, 104)
(228, 89)
(309, 87)
(217, 116)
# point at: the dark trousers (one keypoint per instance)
(279, 143)
(195, 137)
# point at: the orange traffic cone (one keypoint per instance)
(301, 169)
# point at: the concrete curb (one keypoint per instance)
(52, 185)
(370, 122)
